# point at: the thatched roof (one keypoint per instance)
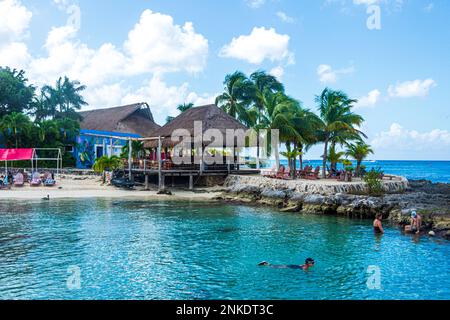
(211, 117)
(134, 118)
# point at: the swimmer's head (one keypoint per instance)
(379, 216)
(309, 261)
(413, 214)
(264, 263)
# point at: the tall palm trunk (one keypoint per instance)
(295, 162)
(324, 163)
(277, 156)
(358, 167)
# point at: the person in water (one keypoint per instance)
(416, 223)
(309, 262)
(377, 224)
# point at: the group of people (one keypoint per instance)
(413, 227)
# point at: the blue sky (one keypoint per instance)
(169, 52)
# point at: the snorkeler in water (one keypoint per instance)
(309, 262)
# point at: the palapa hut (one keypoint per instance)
(210, 116)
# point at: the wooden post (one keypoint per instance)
(130, 158)
(191, 182)
(146, 182)
(160, 182)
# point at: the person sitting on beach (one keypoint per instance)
(309, 262)
(416, 223)
(377, 225)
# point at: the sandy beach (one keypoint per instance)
(72, 186)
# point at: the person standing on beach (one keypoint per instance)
(377, 224)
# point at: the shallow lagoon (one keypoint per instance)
(189, 250)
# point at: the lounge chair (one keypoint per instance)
(269, 172)
(4, 183)
(48, 180)
(280, 173)
(305, 172)
(287, 174)
(314, 175)
(18, 180)
(35, 180)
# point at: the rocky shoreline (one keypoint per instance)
(431, 201)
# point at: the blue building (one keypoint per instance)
(102, 130)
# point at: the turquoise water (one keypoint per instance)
(183, 250)
(436, 171)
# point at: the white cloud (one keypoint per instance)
(277, 72)
(68, 56)
(164, 99)
(14, 55)
(424, 144)
(255, 3)
(156, 44)
(14, 23)
(15, 19)
(284, 17)
(415, 88)
(369, 100)
(259, 45)
(327, 74)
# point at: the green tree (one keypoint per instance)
(137, 149)
(65, 98)
(359, 152)
(105, 162)
(237, 97)
(16, 95)
(15, 125)
(337, 118)
(182, 108)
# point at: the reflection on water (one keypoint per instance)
(184, 250)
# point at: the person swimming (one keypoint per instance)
(309, 262)
(377, 225)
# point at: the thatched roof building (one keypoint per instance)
(135, 118)
(211, 117)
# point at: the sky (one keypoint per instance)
(391, 55)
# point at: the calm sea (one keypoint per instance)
(436, 171)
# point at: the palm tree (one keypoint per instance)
(15, 124)
(105, 162)
(280, 111)
(336, 115)
(263, 83)
(42, 109)
(334, 156)
(47, 129)
(359, 152)
(137, 148)
(69, 128)
(66, 97)
(236, 98)
(182, 108)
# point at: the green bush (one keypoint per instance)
(373, 179)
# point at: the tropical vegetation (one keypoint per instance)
(44, 119)
(259, 101)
